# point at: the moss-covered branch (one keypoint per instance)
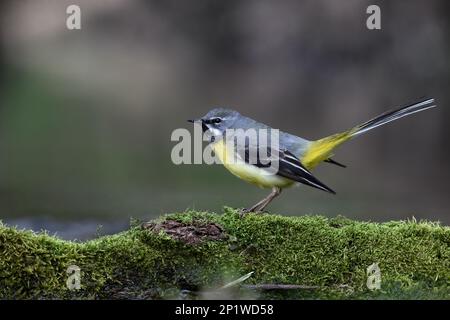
(195, 252)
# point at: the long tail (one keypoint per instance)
(391, 116)
(321, 150)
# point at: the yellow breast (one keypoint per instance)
(247, 172)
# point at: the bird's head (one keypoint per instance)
(217, 120)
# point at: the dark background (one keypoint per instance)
(86, 115)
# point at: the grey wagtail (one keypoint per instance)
(296, 156)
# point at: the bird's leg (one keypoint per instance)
(275, 193)
(258, 207)
(258, 204)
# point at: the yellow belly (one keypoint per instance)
(248, 172)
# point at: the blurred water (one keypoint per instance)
(78, 230)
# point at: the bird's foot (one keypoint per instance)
(245, 211)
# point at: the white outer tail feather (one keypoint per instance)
(392, 116)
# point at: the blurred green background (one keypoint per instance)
(86, 115)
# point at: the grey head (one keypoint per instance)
(218, 120)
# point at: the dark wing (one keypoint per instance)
(330, 160)
(289, 166)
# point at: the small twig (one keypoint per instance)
(237, 281)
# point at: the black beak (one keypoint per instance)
(196, 120)
(204, 126)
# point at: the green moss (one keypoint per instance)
(332, 254)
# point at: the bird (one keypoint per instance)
(295, 156)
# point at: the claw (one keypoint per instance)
(243, 213)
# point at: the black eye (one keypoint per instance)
(216, 120)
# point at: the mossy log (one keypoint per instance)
(193, 254)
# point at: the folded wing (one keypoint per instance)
(289, 166)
